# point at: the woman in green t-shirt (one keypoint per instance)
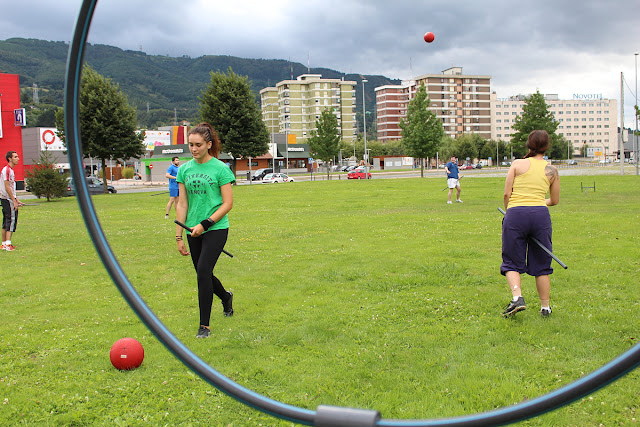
(205, 198)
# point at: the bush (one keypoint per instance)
(128, 172)
(44, 180)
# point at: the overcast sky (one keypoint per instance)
(562, 47)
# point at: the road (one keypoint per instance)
(125, 186)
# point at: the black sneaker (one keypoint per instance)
(227, 307)
(545, 312)
(514, 307)
(203, 332)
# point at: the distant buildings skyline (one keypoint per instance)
(464, 103)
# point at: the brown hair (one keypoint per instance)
(9, 155)
(537, 143)
(206, 131)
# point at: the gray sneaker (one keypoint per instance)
(514, 307)
(203, 332)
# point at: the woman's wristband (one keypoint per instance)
(206, 223)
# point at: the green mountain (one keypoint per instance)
(162, 88)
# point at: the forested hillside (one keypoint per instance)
(162, 88)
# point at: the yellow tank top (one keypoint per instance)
(530, 188)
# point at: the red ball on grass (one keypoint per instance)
(126, 354)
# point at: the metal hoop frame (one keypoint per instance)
(324, 415)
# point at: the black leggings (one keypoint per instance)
(205, 251)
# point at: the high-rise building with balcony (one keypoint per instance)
(462, 102)
(293, 106)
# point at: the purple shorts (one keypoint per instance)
(519, 253)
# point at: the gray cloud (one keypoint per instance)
(554, 46)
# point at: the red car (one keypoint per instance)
(358, 173)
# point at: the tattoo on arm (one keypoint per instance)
(551, 172)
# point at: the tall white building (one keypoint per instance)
(585, 119)
(294, 106)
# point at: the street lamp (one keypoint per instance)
(364, 121)
(271, 126)
(635, 136)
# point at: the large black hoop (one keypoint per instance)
(324, 415)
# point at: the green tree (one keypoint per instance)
(421, 131)
(108, 123)
(230, 107)
(394, 148)
(560, 148)
(47, 117)
(448, 147)
(324, 142)
(535, 115)
(489, 150)
(467, 146)
(44, 180)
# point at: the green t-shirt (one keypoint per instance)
(203, 182)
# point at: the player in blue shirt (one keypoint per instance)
(453, 179)
(172, 173)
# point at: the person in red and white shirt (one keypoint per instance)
(9, 201)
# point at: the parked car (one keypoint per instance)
(573, 162)
(476, 166)
(260, 173)
(274, 178)
(358, 173)
(95, 187)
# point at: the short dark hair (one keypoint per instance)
(174, 157)
(9, 155)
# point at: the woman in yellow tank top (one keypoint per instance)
(528, 181)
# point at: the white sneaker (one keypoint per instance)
(458, 201)
(449, 202)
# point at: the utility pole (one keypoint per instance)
(621, 141)
(635, 112)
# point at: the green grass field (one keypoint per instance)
(369, 294)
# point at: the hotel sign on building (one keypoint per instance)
(587, 96)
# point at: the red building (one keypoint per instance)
(10, 133)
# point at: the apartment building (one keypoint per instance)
(462, 102)
(585, 119)
(293, 106)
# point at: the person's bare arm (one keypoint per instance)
(554, 188)
(508, 184)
